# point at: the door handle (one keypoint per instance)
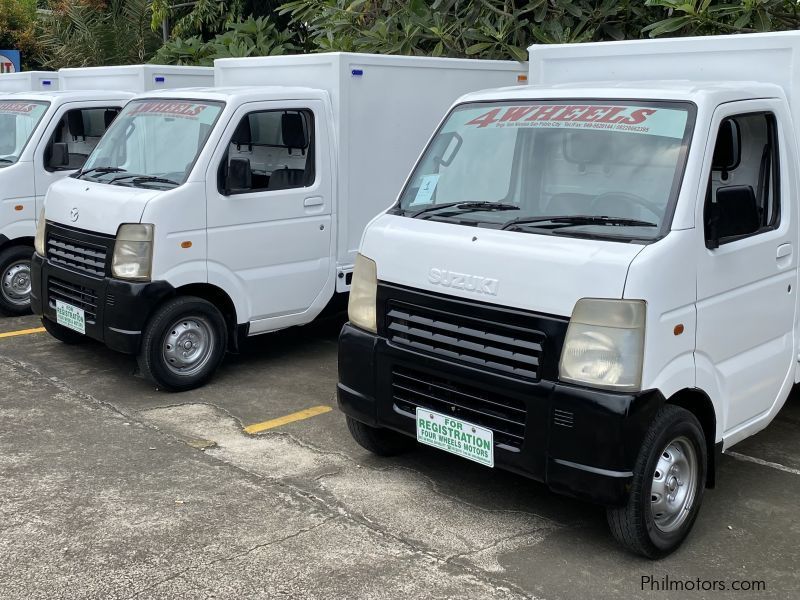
(313, 201)
(784, 250)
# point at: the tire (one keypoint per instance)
(15, 280)
(63, 334)
(667, 488)
(383, 442)
(183, 344)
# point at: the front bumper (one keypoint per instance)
(119, 309)
(579, 441)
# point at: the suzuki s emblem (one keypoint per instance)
(74, 214)
(462, 281)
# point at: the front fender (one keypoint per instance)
(11, 232)
(678, 374)
(708, 382)
(225, 279)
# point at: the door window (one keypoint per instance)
(743, 196)
(75, 136)
(269, 150)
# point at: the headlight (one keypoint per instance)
(38, 241)
(604, 346)
(133, 252)
(363, 294)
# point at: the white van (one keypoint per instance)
(207, 215)
(592, 284)
(46, 135)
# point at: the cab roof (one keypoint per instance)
(698, 92)
(235, 94)
(66, 96)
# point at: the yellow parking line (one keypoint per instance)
(22, 332)
(298, 416)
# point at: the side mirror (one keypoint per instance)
(240, 176)
(58, 157)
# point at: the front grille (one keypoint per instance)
(503, 415)
(76, 295)
(453, 334)
(76, 255)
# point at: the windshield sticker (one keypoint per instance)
(18, 108)
(184, 110)
(426, 189)
(664, 122)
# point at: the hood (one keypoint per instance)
(541, 273)
(96, 207)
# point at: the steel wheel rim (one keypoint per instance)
(15, 283)
(674, 485)
(188, 345)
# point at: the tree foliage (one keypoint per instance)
(96, 32)
(249, 37)
(485, 28)
(207, 18)
(120, 31)
(18, 28)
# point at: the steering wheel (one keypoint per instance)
(597, 205)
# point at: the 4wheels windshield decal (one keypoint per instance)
(17, 108)
(664, 122)
(187, 110)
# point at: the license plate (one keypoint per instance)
(455, 436)
(71, 317)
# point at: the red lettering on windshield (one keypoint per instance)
(486, 119)
(640, 116)
(515, 113)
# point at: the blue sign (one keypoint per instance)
(10, 61)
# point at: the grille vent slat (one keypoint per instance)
(487, 344)
(563, 418)
(76, 255)
(74, 294)
(505, 416)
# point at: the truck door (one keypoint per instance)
(747, 271)
(68, 141)
(269, 208)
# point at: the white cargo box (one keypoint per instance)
(385, 110)
(761, 57)
(29, 81)
(135, 78)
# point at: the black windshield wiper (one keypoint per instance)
(100, 170)
(6, 160)
(143, 179)
(571, 220)
(466, 207)
(153, 179)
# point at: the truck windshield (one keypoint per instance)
(153, 143)
(567, 168)
(18, 121)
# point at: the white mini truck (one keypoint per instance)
(207, 215)
(49, 124)
(593, 285)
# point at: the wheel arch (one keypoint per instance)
(219, 298)
(21, 241)
(698, 403)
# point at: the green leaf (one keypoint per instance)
(477, 48)
(668, 25)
